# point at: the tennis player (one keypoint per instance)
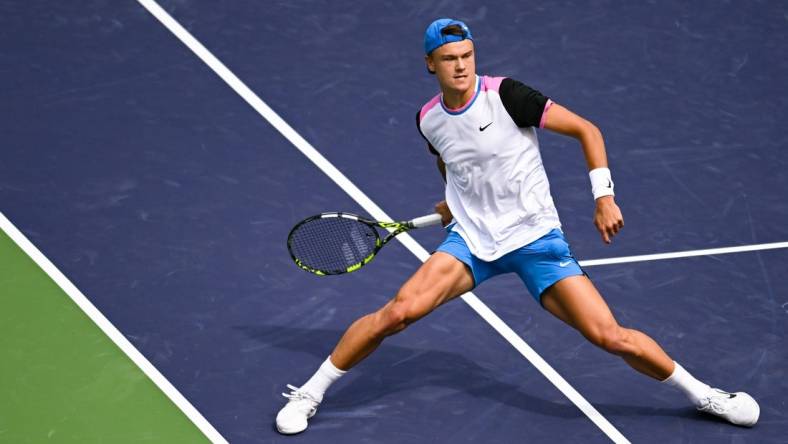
(501, 219)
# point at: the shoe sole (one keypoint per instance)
(295, 432)
(289, 432)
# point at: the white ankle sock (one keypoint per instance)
(326, 375)
(681, 379)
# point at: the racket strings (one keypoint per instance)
(332, 244)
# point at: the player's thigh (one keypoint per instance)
(441, 278)
(577, 302)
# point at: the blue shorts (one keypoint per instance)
(539, 264)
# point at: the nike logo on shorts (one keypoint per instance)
(564, 264)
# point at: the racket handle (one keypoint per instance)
(426, 221)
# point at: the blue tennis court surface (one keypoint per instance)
(167, 200)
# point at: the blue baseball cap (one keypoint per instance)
(435, 38)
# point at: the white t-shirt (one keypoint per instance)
(496, 186)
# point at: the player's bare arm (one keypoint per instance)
(442, 207)
(607, 217)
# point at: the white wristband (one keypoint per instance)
(601, 183)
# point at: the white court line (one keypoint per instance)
(376, 212)
(679, 254)
(110, 330)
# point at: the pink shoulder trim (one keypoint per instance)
(492, 83)
(431, 104)
(544, 113)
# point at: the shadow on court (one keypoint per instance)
(402, 369)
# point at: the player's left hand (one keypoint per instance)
(442, 208)
(607, 218)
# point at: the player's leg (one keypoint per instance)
(576, 301)
(441, 278)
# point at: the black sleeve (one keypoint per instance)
(418, 127)
(523, 103)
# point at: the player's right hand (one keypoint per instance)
(607, 218)
(443, 209)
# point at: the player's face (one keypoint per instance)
(454, 65)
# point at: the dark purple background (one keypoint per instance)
(166, 199)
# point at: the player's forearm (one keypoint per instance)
(593, 146)
(442, 168)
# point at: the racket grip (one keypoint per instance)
(426, 221)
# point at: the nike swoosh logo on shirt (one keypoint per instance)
(564, 264)
(482, 128)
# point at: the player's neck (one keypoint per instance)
(454, 99)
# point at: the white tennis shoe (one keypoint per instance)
(300, 407)
(737, 408)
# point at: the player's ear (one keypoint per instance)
(430, 64)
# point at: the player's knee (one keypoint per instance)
(612, 339)
(393, 319)
(399, 314)
(396, 317)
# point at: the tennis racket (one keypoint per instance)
(337, 243)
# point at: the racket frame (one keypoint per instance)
(395, 228)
